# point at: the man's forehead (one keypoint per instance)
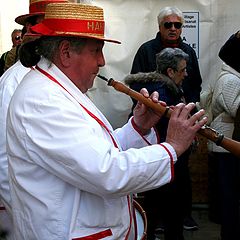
(17, 33)
(171, 18)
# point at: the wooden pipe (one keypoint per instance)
(211, 134)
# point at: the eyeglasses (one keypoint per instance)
(17, 37)
(169, 25)
(183, 70)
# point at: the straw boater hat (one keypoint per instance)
(72, 19)
(36, 8)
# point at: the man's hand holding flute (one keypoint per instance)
(182, 127)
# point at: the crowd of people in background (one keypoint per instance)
(65, 173)
(170, 22)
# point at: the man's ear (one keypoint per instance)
(65, 53)
(170, 72)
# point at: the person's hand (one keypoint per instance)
(182, 128)
(144, 117)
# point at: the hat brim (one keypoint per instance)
(42, 30)
(23, 18)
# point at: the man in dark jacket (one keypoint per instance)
(170, 21)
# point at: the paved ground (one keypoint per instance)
(207, 230)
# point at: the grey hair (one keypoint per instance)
(15, 31)
(48, 46)
(170, 58)
(31, 52)
(167, 11)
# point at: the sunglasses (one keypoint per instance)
(169, 25)
(17, 38)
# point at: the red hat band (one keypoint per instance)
(72, 19)
(66, 26)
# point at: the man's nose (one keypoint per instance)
(101, 60)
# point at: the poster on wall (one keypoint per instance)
(190, 30)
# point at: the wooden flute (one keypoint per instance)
(211, 134)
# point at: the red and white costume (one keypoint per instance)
(68, 179)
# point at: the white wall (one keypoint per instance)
(9, 10)
(134, 22)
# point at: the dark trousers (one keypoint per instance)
(224, 192)
(170, 202)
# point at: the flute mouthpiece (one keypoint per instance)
(102, 77)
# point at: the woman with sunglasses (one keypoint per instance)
(170, 22)
(16, 40)
(16, 37)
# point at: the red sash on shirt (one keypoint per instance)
(104, 233)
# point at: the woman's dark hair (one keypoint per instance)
(230, 52)
(31, 51)
(27, 54)
(24, 31)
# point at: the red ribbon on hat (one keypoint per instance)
(80, 27)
